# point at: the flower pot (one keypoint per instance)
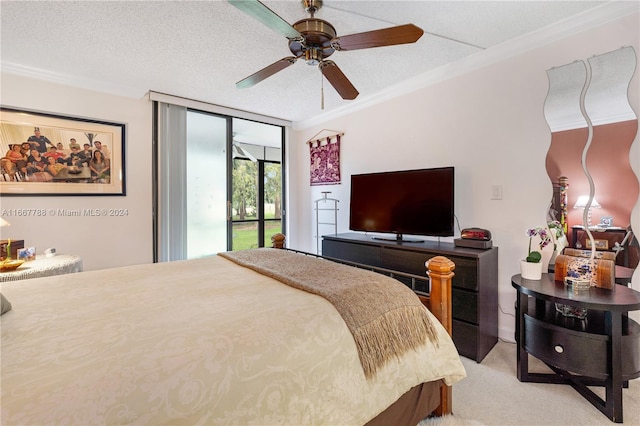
(530, 271)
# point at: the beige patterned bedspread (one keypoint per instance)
(191, 342)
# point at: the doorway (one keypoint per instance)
(256, 182)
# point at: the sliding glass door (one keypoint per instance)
(206, 189)
(219, 183)
(256, 184)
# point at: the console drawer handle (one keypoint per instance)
(559, 348)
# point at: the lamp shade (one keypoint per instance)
(583, 200)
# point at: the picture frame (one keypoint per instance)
(606, 221)
(600, 244)
(27, 254)
(72, 171)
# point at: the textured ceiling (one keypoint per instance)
(199, 49)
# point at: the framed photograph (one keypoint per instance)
(606, 221)
(27, 254)
(50, 154)
(600, 244)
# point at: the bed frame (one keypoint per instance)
(438, 301)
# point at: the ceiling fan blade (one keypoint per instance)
(262, 13)
(338, 80)
(401, 34)
(266, 72)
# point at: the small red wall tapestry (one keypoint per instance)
(325, 161)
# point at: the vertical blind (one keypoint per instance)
(171, 208)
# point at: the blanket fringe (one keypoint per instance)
(390, 335)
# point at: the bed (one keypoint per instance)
(217, 341)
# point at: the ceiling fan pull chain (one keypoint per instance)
(321, 91)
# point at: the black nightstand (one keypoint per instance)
(601, 350)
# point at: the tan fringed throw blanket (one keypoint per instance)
(384, 316)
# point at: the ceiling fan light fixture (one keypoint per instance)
(313, 56)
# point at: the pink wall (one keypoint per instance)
(608, 163)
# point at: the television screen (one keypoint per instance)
(414, 202)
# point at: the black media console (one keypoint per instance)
(475, 283)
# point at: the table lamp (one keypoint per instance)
(582, 203)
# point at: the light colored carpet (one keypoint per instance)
(492, 395)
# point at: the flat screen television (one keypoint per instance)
(412, 202)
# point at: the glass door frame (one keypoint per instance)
(263, 241)
(220, 112)
(261, 220)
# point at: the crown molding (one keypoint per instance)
(73, 81)
(587, 20)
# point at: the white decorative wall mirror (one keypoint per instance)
(592, 128)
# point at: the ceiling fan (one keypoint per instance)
(315, 40)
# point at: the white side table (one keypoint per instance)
(44, 267)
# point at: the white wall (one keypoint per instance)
(102, 242)
(489, 124)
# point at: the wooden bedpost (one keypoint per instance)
(440, 271)
(277, 241)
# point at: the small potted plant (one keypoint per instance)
(531, 267)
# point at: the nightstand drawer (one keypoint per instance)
(569, 350)
(581, 352)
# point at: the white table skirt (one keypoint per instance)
(44, 267)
